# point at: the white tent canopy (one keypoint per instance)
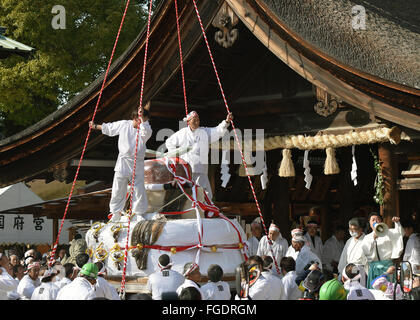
(24, 228)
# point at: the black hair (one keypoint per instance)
(77, 236)
(164, 260)
(139, 296)
(38, 256)
(135, 113)
(256, 259)
(267, 261)
(215, 273)
(288, 264)
(408, 224)
(375, 214)
(351, 271)
(82, 259)
(190, 293)
(68, 267)
(170, 295)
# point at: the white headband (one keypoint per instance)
(274, 228)
(192, 268)
(190, 116)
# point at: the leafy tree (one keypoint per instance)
(65, 60)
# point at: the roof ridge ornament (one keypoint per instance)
(225, 20)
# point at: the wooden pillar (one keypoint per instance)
(55, 230)
(389, 166)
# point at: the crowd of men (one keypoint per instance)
(361, 268)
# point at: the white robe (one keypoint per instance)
(79, 289)
(291, 290)
(331, 251)
(7, 284)
(277, 289)
(189, 283)
(291, 252)
(164, 281)
(216, 290)
(125, 164)
(412, 252)
(63, 282)
(197, 158)
(317, 249)
(279, 249)
(306, 256)
(105, 290)
(26, 287)
(46, 291)
(390, 246)
(252, 246)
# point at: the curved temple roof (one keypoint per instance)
(314, 38)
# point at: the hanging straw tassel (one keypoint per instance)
(287, 169)
(331, 165)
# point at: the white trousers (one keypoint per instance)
(202, 180)
(120, 186)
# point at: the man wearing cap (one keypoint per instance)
(83, 287)
(48, 289)
(315, 242)
(7, 283)
(29, 282)
(253, 242)
(102, 287)
(305, 256)
(165, 279)
(332, 290)
(333, 248)
(381, 249)
(198, 138)
(278, 244)
(352, 251)
(192, 276)
(127, 132)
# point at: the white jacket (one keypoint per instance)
(252, 246)
(412, 252)
(279, 249)
(199, 140)
(161, 281)
(46, 291)
(352, 253)
(105, 290)
(317, 249)
(389, 246)
(277, 288)
(291, 290)
(216, 290)
(127, 144)
(7, 284)
(306, 256)
(79, 289)
(26, 287)
(331, 251)
(189, 283)
(63, 282)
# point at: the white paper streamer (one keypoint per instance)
(224, 168)
(263, 177)
(353, 172)
(308, 176)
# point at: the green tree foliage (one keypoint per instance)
(66, 60)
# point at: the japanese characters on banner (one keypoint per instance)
(25, 228)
